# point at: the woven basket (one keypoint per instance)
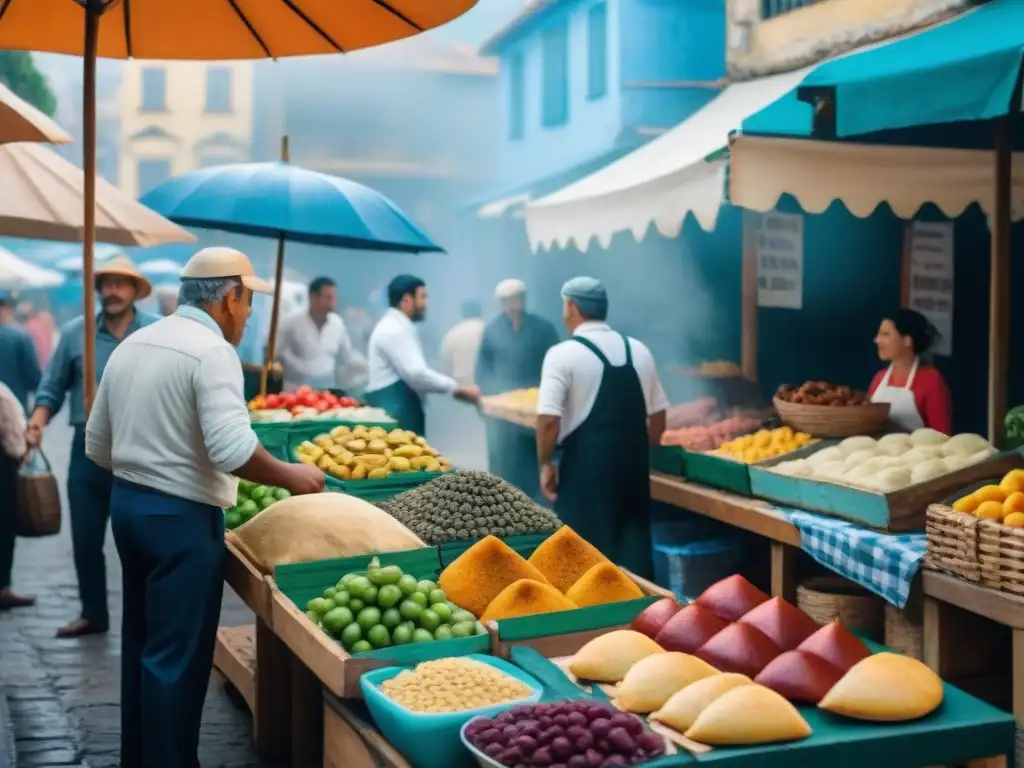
(953, 540)
(38, 512)
(827, 598)
(1001, 552)
(904, 633)
(833, 420)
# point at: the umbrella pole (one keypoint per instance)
(276, 311)
(92, 23)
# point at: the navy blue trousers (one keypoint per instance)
(172, 560)
(89, 498)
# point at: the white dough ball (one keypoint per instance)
(967, 444)
(859, 443)
(895, 438)
(957, 461)
(913, 457)
(928, 470)
(895, 448)
(982, 455)
(794, 468)
(927, 436)
(857, 458)
(830, 470)
(893, 479)
(824, 456)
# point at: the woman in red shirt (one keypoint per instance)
(917, 393)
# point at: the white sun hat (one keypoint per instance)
(210, 263)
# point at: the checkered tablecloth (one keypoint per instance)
(882, 563)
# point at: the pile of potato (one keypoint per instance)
(763, 445)
(892, 462)
(370, 453)
(821, 393)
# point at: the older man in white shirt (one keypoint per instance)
(601, 402)
(400, 378)
(170, 422)
(315, 347)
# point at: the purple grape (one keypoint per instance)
(604, 746)
(542, 757)
(594, 758)
(600, 727)
(552, 733)
(577, 718)
(525, 725)
(505, 718)
(622, 720)
(635, 727)
(509, 732)
(573, 732)
(489, 735)
(493, 750)
(525, 744)
(597, 712)
(558, 765)
(561, 719)
(584, 742)
(561, 746)
(614, 761)
(621, 740)
(577, 761)
(637, 759)
(545, 722)
(510, 756)
(651, 743)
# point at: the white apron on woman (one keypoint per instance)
(903, 410)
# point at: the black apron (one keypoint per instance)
(403, 404)
(604, 483)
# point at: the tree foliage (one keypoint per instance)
(19, 73)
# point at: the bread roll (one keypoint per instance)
(886, 687)
(683, 708)
(653, 680)
(750, 714)
(607, 659)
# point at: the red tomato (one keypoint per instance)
(307, 399)
(304, 389)
(321, 407)
(288, 401)
(330, 400)
(273, 402)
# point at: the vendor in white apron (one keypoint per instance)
(917, 394)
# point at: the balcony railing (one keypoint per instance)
(772, 8)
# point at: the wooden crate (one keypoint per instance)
(251, 584)
(234, 656)
(497, 408)
(352, 741)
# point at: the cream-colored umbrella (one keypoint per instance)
(20, 121)
(17, 273)
(44, 196)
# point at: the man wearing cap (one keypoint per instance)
(170, 421)
(511, 355)
(399, 375)
(119, 285)
(602, 404)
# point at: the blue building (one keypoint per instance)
(584, 81)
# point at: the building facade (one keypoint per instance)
(177, 116)
(769, 36)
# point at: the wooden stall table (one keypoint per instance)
(757, 517)
(352, 741)
(962, 638)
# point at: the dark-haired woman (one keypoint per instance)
(917, 393)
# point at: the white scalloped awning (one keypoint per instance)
(680, 172)
(863, 176)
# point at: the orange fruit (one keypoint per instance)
(1013, 481)
(990, 510)
(967, 504)
(991, 493)
(1014, 503)
(1014, 520)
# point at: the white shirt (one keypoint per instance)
(317, 356)
(170, 413)
(395, 354)
(459, 350)
(571, 376)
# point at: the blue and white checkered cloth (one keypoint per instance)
(880, 562)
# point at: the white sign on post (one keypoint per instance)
(931, 278)
(780, 261)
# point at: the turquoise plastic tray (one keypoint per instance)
(427, 740)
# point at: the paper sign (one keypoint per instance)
(931, 279)
(780, 261)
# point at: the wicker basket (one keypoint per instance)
(833, 421)
(1001, 552)
(904, 633)
(953, 540)
(827, 598)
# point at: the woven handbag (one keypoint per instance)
(38, 499)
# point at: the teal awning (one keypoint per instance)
(963, 70)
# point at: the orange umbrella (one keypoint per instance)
(198, 29)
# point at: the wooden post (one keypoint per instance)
(748, 311)
(272, 717)
(278, 279)
(999, 282)
(92, 26)
(905, 258)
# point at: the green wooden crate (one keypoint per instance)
(587, 619)
(301, 582)
(717, 472)
(667, 459)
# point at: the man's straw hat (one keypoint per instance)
(218, 262)
(122, 266)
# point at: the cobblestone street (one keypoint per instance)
(63, 694)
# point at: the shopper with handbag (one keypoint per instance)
(12, 451)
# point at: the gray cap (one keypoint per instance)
(588, 294)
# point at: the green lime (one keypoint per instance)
(266, 501)
(358, 586)
(351, 635)
(368, 617)
(390, 575)
(419, 598)
(374, 563)
(341, 597)
(379, 636)
(426, 586)
(422, 636)
(319, 605)
(462, 629)
(410, 610)
(370, 595)
(232, 518)
(407, 584)
(402, 635)
(480, 628)
(347, 579)
(313, 616)
(444, 613)
(460, 616)
(444, 632)
(258, 492)
(245, 486)
(437, 596)
(248, 510)
(391, 618)
(337, 620)
(330, 592)
(281, 494)
(430, 620)
(356, 605)
(389, 595)
(361, 646)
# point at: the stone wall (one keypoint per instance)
(824, 28)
